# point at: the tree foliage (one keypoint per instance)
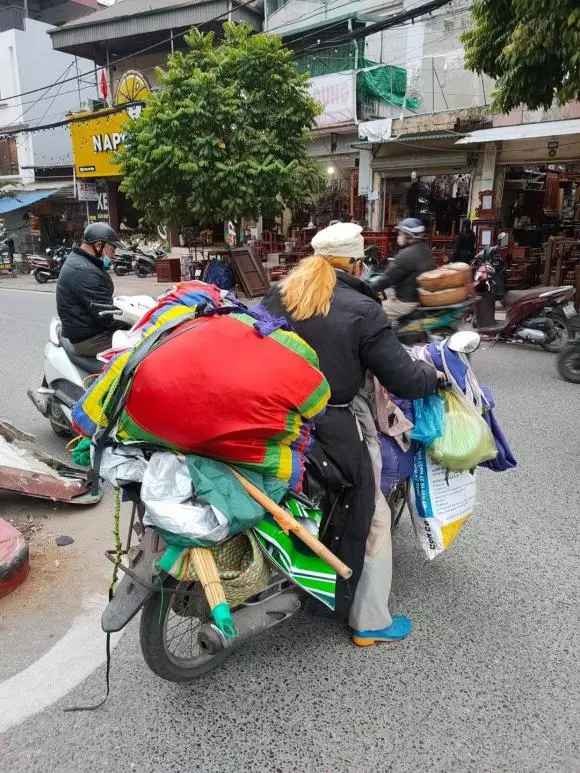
(226, 134)
(531, 48)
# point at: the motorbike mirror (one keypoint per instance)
(465, 341)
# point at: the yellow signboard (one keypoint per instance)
(95, 142)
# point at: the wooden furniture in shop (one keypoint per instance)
(249, 272)
(168, 270)
(561, 258)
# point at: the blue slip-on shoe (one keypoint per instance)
(399, 629)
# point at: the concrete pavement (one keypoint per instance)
(487, 682)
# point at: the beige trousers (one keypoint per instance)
(370, 607)
(394, 308)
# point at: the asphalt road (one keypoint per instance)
(489, 680)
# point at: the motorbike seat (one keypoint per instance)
(514, 296)
(86, 364)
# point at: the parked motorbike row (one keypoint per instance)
(47, 267)
(141, 260)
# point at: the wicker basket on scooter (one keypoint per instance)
(242, 568)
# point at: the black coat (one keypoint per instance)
(82, 281)
(354, 337)
(402, 274)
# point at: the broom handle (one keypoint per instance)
(288, 523)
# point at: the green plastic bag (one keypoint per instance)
(467, 440)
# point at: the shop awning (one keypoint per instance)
(526, 131)
(21, 200)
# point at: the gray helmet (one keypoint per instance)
(411, 226)
(101, 232)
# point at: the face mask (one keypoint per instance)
(401, 240)
(106, 263)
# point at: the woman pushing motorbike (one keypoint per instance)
(340, 317)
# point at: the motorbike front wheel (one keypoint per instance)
(58, 422)
(562, 336)
(142, 272)
(170, 624)
(119, 270)
(569, 363)
(41, 276)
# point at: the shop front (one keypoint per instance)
(532, 193)
(425, 177)
(96, 138)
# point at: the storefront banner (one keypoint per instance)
(337, 95)
(95, 142)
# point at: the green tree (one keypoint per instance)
(226, 134)
(531, 48)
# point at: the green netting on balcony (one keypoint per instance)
(337, 59)
(385, 83)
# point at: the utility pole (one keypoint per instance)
(432, 84)
(78, 82)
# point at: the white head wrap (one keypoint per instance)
(341, 240)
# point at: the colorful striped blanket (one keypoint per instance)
(228, 383)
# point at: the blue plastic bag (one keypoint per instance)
(397, 464)
(429, 419)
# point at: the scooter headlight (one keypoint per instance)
(54, 331)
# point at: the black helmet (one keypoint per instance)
(411, 226)
(101, 232)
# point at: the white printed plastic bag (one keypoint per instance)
(441, 503)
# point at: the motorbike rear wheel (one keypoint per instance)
(41, 276)
(569, 363)
(170, 623)
(556, 345)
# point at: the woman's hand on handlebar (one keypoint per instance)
(442, 380)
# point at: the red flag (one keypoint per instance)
(104, 86)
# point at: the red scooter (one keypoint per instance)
(538, 316)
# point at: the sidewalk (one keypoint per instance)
(124, 285)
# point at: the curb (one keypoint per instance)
(14, 563)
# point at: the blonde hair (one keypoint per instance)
(308, 289)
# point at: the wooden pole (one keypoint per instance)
(288, 523)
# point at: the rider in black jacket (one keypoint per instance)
(413, 259)
(83, 282)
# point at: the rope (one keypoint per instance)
(118, 557)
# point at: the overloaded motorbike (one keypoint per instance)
(538, 316)
(47, 267)
(428, 323)
(179, 641)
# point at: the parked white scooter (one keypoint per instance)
(67, 374)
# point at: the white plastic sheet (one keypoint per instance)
(167, 495)
(123, 463)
